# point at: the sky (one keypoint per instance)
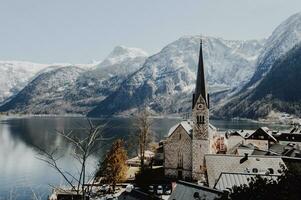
(80, 31)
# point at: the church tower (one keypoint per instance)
(200, 117)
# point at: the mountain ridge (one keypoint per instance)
(283, 39)
(276, 93)
(170, 75)
(86, 86)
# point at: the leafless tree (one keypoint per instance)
(83, 148)
(143, 123)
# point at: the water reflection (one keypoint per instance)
(21, 172)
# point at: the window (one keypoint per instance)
(255, 170)
(200, 119)
(180, 160)
(271, 171)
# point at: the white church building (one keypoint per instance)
(189, 141)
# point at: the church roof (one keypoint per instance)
(187, 125)
(200, 89)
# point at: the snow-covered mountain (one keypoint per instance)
(14, 75)
(73, 89)
(247, 103)
(284, 38)
(122, 61)
(166, 80)
(46, 94)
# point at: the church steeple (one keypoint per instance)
(200, 89)
(200, 117)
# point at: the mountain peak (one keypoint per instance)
(120, 50)
(122, 54)
(283, 39)
(290, 27)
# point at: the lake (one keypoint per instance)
(23, 175)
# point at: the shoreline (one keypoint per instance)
(288, 121)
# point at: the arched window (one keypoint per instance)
(200, 119)
(180, 159)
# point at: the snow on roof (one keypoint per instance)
(242, 133)
(187, 191)
(211, 127)
(266, 130)
(218, 163)
(187, 125)
(227, 180)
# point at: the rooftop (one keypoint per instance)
(228, 180)
(189, 191)
(260, 164)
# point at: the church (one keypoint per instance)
(189, 141)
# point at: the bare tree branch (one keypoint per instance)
(83, 148)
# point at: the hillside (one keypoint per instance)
(278, 91)
(74, 90)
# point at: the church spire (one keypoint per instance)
(200, 88)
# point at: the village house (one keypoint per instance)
(260, 139)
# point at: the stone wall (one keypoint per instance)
(177, 154)
(199, 149)
(200, 139)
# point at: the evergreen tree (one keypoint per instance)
(113, 169)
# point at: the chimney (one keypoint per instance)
(245, 158)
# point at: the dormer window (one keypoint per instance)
(270, 170)
(200, 119)
(255, 170)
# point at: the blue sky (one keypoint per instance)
(79, 31)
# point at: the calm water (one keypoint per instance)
(22, 174)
